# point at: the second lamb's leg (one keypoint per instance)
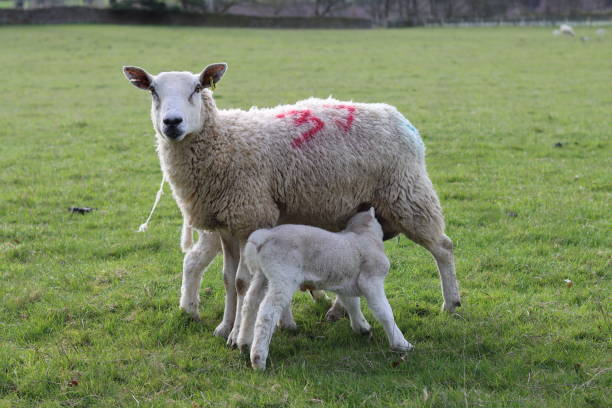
(374, 292)
(287, 321)
(250, 307)
(336, 312)
(230, 264)
(359, 324)
(194, 263)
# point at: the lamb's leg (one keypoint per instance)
(336, 312)
(278, 297)
(318, 295)
(243, 280)
(287, 321)
(252, 301)
(374, 292)
(359, 324)
(231, 255)
(194, 263)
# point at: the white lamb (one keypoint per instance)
(567, 30)
(351, 263)
(317, 162)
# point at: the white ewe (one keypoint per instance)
(317, 162)
(351, 263)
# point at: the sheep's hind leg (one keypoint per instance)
(230, 264)
(442, 251)
(422, 221)
(194, 263)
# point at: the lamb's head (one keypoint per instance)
(177, 105)
(365, 222)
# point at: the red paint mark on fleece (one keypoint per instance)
(301, 117)
(347, 123)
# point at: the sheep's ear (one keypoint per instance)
(138, 77)
(212, 74)
(372, 212)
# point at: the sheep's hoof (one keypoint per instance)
(364, 331)
(223, 330)
(451, 307)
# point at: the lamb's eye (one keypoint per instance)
(198, 88)
(153, 92)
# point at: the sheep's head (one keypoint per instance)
(176, 109)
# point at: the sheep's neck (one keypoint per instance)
(189, 167)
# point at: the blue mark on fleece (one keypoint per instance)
(413, 135)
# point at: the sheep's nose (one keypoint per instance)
(173, 121)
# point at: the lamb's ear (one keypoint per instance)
(212, 74)
(138, 77)
(372, 212)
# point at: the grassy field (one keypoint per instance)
(518, 129)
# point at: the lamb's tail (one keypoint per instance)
(253, 246)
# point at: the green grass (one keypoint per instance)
(89, 312)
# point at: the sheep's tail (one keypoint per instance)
(186, 236)
(252, 248)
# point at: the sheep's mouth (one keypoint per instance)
(174, 133)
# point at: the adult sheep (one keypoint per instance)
(317, 162)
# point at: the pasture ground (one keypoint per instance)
(89, 312)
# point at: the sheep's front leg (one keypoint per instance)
(194, 263)
(243, 279)
(231, 256)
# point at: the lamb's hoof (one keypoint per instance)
(364, 331)
(334, 314)
(244, 347)
(258, 363)
(451, 307)
(223, 330)
(402, 347)
(191, 310)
